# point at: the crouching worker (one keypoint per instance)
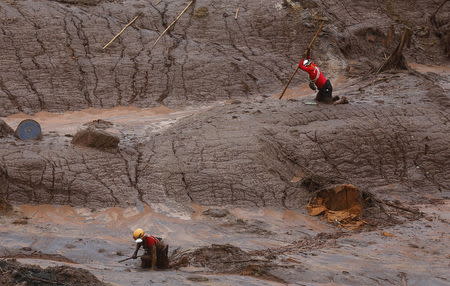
(156, 251)
(318, 79)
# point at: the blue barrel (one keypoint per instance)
(29, 129)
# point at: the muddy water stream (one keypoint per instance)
(126, 119)
(97, 239)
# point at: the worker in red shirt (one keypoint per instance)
(318, 79)
(156, 251)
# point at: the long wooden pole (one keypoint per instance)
(237, 13)
(304, 55)
(173, 23)
(123, 30)
(290, 79)
(311, 43)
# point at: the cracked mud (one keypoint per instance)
(190, 142)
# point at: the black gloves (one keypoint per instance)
(312, 85)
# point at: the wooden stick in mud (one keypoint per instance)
(396, 60)
(305, 54)
(123, 260)
(399, 207)
(290, 79)
(120, 33)
(173, 23)
(237, 13)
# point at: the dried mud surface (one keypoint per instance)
(52, 57)
(246, 153)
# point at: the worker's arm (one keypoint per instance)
(138, 245)
(154, 259)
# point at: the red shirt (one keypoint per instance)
(149, 241)
(314, 73)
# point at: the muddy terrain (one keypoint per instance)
(188, 140)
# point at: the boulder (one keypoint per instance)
(95, 138)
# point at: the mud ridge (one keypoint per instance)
(14, 273)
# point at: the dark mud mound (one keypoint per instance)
(227, 259)
(440, 21)
(14, 273)
(28, 252)
(5, 129)
(5, 207)
(96, 138)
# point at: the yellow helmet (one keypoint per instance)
(138, 233)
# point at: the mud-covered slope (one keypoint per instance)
(247, 153)
(52, 57)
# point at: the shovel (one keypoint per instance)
(123, 260)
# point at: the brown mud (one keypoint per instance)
(206, 156)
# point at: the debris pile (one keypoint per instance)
(397, 60)
(341, 204)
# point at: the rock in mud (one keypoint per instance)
(99, 124)
(197, 278)
(14, 273)
(5, 129)
(95, 138)
(216, 212)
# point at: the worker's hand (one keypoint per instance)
(312, 85)
(300, 63)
